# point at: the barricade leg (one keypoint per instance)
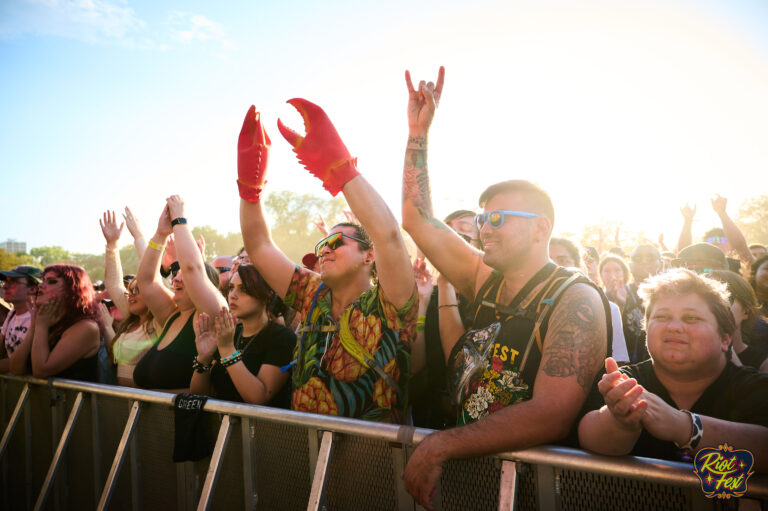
(214, 469)
(96, 447)
(404, 500)
(319, 480)
(57, 457)
(247, 435)
(14, 419)
(508, 486)
(117, 463)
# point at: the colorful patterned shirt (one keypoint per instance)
(327, 378)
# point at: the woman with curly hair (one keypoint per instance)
(64, 335)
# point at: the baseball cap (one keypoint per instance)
(309, 260)
(30, 272)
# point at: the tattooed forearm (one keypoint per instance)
(576, 338)
(416, 177)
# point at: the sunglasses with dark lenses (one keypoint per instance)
(495, 218)
(334, 241)
(132, 291)
(174, 268)
(223, 269)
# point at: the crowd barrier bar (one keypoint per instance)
(551, 464)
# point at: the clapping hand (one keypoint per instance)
(225, 330)
(622, 396)
(205, 338)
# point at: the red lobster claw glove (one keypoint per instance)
(252, 156)
(321, 151)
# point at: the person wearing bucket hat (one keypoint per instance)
(701, 258)
(19, 284)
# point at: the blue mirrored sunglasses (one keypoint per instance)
(496, 217)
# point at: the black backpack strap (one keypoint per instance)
(544, 308)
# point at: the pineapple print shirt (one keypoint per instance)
(327, 379)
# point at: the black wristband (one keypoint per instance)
(177, 221)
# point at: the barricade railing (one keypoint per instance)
(65, 444)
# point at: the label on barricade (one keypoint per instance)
(724, 471)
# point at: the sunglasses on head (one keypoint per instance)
(336, 240)
(495, 218)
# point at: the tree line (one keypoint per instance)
(294, 231)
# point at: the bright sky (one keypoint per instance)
(623, 110)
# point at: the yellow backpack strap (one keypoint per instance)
(359, 353)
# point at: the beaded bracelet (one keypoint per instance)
(200, 367)
(232, 359)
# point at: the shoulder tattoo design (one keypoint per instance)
(577, 333)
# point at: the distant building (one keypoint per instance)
(13, 246)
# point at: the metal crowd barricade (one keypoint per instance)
(75, 445)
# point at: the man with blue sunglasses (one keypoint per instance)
(541, 367)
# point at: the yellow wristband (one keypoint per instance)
(155, 246)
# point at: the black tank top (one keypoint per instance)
(519, 317)
(171, 367)
(85, 369)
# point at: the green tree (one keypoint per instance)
(293, 229)
(9, 261)
(51, 255)
(752, 219)
(217, 244)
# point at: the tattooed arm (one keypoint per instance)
(574, 350)
(453, 257)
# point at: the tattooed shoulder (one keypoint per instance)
(576, 339)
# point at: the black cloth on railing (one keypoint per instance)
(190, 441)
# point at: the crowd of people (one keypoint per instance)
(497, 335)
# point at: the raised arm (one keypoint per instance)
(113, 272)
(574, 349)
(732, 232)
(202, 292)
(449, 317)
(139, 243)
(686, 236)
(158, 298)
(458, 261)
(324, 154)
(252, 158)
(424, 285)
